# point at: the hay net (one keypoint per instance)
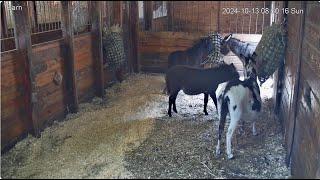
(270, 51)
(113, 48)
(215, 57)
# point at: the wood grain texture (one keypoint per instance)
(68, 36)
(96, 35)
(300, 93)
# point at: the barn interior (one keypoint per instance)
(67, 113)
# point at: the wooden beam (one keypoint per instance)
(97, 53)
(134, 29)
(70, 72)
(147, 11)
(218, 17)
(24, 45)
(126, 38)
(297, 74)
(35, 14)
(170, 15)
(4, 24)
(117, 13)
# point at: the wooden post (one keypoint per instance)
(4, 25)
(218, 17)
(147, 11)
(170, 15)
(24, 46)
(293, 115)
(70, 74)
(117, 13)
(35, 14)
(96, 31)
(126, 37)
(134, 29)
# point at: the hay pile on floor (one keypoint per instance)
(91, 143)
(184, 146)
(130, 136)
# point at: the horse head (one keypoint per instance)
(250, 66)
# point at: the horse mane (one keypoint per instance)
(236, 39)
(197, 45)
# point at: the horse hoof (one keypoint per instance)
(230, 156)
(175, 111)
(255, 133)
(206, 113)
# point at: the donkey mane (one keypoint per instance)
(232, 41)
(200, 43)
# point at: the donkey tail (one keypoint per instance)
(224, 107)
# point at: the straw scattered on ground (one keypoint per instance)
(129, 135)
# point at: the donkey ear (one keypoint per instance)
(227, 38)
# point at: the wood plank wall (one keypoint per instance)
(306, 144)
(206, 16)
(14, 121)
(155, 47)
(302, 130)
(49, 61)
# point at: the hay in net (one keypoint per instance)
(270, 51)
(113, 48)
(215, 57)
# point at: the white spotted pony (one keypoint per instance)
(241, 99)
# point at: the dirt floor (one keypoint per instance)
(129, 135)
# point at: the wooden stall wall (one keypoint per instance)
(51, 62)
(181, 24)
(300, 100)
(155, 47)
(14, 121)
(208, 16)
(306, 143)
(84, 66)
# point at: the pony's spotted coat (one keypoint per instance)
(242, 100)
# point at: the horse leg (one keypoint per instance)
(205, 103)
(214, 98)
(170, 103)
(235, 117)
(174, 102)
(222, 119)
